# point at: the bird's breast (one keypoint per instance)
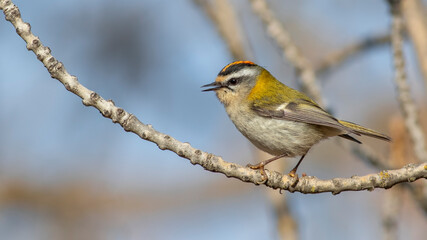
(276, 136)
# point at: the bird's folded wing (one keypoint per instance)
(301, 110)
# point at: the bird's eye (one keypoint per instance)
(233, 81)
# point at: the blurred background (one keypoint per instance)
(66, 172)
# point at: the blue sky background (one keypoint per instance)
(151, 57)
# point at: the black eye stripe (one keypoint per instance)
(234, 81)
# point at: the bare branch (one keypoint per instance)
(384, 179)
(407, 105)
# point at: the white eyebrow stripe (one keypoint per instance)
(242, 73)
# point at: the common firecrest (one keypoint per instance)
(276, 118)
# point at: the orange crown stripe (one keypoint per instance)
(237, 62)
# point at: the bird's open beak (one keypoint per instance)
(215, 85)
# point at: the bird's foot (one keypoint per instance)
(259, 166)
(294, 175)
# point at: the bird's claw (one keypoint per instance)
(264, 177)
(294, 175)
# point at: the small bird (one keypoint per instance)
(276, 118)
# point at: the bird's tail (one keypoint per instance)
(365, 131)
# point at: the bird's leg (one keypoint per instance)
(292, 173)
(261, 165)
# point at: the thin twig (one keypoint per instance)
(341, 56)
(404, 97)
(210, 162)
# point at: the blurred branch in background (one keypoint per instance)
(391, 213)
(69, 205)
(399, 153)
(415, 23)
(290, 51)
(287, 226)
(404, 97)
(335, 59)
(222, 14)
(408, 108)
